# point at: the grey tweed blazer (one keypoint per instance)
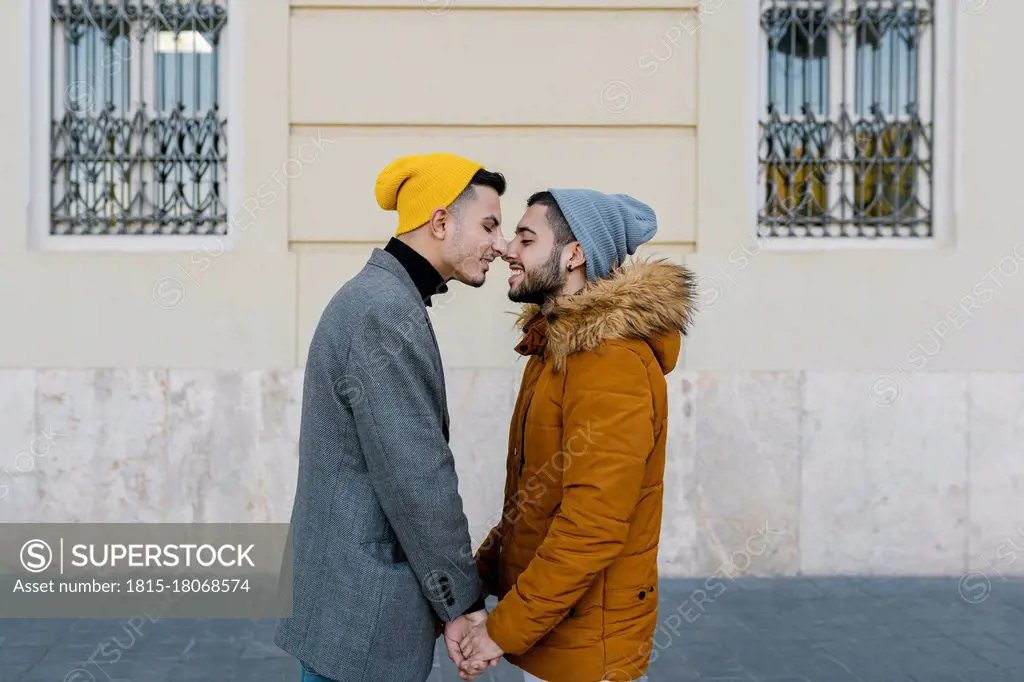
(381, 543)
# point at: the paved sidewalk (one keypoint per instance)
(784, 630)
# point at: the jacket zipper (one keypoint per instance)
(522, 437)
(506, 537)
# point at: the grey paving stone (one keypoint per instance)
(85, 638)
(711, 663)
(12, 626)
(161, 649)
(1015, 640)
(267, 670)
(988, 675)
(786, 630)
(55, 672)
(188, 673)
(764, 662)
(95, 626)
(983, 642)
(14, 672)
(11, 655)
(692, 638)
(68, 648)
(741, 643)
(894, 587)
(824, 668)
(839, 587)
(1002, 625)
(32, 638)
(152, 671)
(262, 649)
(935, 676)
(913, 627)
(763, 622)
(1005, 658)
(716, 620)
(800, 589)
(214, 652)
(822, 632)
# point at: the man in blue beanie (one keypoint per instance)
(573, 559)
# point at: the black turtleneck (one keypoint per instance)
(426, 278)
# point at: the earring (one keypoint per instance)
(570, 268)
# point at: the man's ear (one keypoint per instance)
(438, 222)
(577, 258)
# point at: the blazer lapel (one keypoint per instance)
(383, 259)
(444, 387)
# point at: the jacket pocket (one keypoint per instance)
(630, 617)
(403, 634)
(385, 551)
(639, 597)
(631, 592)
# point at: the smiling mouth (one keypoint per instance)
(517, 274)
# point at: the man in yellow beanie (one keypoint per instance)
(449, 213)
(382, 551)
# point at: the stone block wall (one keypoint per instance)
(769, 473)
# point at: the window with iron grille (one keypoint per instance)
(847, 135)
(137, 130)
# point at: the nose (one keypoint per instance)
(501, 245)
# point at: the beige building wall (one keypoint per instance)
(801, 411)
(867, 308)
(226, 303)
(327, 93)
(523, 88)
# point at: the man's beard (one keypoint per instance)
(540, 284)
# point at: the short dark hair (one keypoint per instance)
(484, 178)
(559, 225)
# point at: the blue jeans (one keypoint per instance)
(310, 676)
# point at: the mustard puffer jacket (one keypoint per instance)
(574, 557)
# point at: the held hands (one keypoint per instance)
(469, 645)
(478, 647)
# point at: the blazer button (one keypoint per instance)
(642, 595)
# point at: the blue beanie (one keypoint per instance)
(607, 226)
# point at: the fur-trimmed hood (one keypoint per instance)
(653, 300)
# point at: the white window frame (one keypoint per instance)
(36, 88)
(947, 126)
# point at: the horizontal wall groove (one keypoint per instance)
(627, 7)
(373, 242)
(502, 126)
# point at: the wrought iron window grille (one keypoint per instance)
(137, 133)
(846, 134)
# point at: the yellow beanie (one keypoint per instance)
(416, 185)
